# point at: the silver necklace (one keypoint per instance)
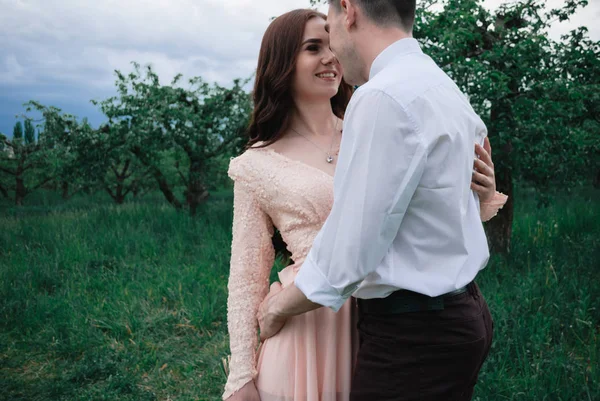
(328, 153)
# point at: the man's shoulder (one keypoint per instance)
(368, 98)
(408, 78)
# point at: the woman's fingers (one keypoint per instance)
(481, 179)
(487, 146)
(478, 189)
(483, 168)
(483, 155)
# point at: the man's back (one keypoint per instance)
(440, 245)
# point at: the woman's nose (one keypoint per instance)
(329, 57)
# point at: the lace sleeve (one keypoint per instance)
(252, 258)
(490, 209)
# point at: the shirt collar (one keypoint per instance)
(401, 47)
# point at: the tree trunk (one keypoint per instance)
(135, 190)
(20, 190)
(160, 178)
(164, 187)
(196, 193)
(120, 195)
(195, 196)
(499, 229)
(65, 190)
(4, 192)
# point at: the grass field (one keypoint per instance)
(105, 302)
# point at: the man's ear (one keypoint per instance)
(349, 11)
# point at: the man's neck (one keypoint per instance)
(372, 41)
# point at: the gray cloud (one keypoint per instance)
(84, 41)
(65, 51)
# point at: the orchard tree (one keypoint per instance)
(106, 162)
(198, 123)
(539, 98)
(90, 158)
(530, 90)
(24, 165)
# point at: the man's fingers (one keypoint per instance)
(269, 326)
(274, 289)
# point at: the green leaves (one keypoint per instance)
(18, 132)
(29, 132)
(192, 125)
(157, 135)
(531, 91)
(25, 164)
(539, 98)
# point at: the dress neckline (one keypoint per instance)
(294, 161)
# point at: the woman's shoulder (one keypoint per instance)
(250, 166)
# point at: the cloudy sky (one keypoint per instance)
(64, 52)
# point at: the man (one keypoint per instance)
(404, 235)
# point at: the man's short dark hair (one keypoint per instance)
(386, 12)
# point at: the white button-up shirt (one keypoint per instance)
(404, 216)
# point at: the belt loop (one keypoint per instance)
(472, 289)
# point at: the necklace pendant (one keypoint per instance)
(329, 159)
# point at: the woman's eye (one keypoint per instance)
(312, 48)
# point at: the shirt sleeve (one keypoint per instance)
(382, 160)
(252, 257)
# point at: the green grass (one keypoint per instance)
(104, 302)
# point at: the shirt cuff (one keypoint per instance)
(315, 286)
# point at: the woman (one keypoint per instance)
(285, 180)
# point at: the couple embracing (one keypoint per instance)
(379, 194)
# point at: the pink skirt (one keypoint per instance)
(311, 358)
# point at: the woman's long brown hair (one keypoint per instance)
(273, 85)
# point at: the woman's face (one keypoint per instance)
(318, 74)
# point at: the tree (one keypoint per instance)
(29, 132)
(89, 158)
(24, 164)
(166, 133)
(538, 97)
(525, 88)
(5, 153)
(18, 132)
(105, 161)
(197, 124)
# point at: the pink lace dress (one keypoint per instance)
(311, 359)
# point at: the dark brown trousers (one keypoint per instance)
(426, 356)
